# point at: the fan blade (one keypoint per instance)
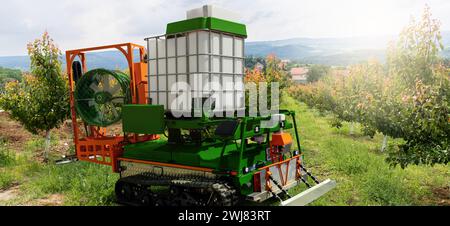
(100, 94)
(89, 99)
(99, 77)
(105, 83)
(101, 113)
(114, 89)
(114, 110)
(94, 87)
(118, 100)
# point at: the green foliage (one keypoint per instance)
(319, 95)
(363, 177)
(6, 180)
(386, 188)
(251, 61)
(362, 174)
(422, 95)
(78, 183)
(40, 102)
(15, 74)
(408, 98)
(9, 75)
(82, 183)
(416, 53)
(6, 158)
(272, 73)
(446, 63)
(423, 122)
(316, 72)
(350, 160)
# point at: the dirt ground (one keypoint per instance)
(442, 196)
(12, 133)
(15, 137)
(8, 194)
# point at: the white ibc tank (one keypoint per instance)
(212, 11)
(203, 63)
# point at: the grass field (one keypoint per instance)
(25, 180)
(354, 161)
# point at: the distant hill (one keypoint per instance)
(106, 59)
(15, 62)
(329, 51)
(314, 46)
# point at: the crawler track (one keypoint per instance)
(142, 190)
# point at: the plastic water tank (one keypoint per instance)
(204, 63)
(213, 11)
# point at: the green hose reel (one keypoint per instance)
(100, 95)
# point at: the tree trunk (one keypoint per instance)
(46, 145)
(352, 132)
(384, 145)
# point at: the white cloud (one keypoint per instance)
(82, 23)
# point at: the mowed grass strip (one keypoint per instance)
(37, 183)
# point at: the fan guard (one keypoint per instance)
(100, 95)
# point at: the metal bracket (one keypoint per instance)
(66, 159)
(311, 194)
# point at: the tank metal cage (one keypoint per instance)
(181, 57)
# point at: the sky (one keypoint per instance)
(84, 23)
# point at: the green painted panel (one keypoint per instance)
(186, 155)
(227, 26)
(245, 183)
(209, 23)
(143, 119)
(207, 155)
(151, 150)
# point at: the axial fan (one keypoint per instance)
(100, 94)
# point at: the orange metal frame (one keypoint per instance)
(278, 139)
(168, 165)
(268, 186)
(97, 146)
